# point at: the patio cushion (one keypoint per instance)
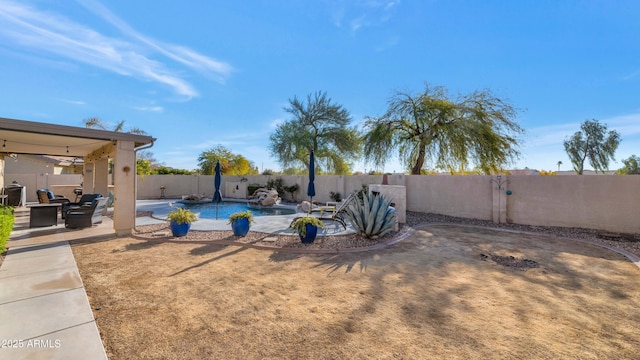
(50, 195)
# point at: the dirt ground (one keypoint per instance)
(437, 294)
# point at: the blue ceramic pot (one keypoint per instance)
(240, 227)
(310, 236)
(179, 229)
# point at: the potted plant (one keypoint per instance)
(180, 221)
(240, 222)
(307, 227)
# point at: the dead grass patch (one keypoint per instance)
(430, 296)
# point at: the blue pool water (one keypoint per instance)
(225, 209)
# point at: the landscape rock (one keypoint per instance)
(264, 197)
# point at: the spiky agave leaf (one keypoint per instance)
(372, 216)
(381, 215)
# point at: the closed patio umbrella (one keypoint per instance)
(217, 196)
(311, 188)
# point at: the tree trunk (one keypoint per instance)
(419, 161)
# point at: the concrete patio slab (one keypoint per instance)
(43, 305)
(28, 324)
(80, 342)
(273, 224)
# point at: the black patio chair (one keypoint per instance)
(85, 201)
(46, 196)
(86, 216)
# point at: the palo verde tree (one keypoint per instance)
(230, 163)
(448, 133)
(592, 143)
(318, 125)
(631, 166)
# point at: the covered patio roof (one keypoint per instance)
(28, 137)
(94, 146)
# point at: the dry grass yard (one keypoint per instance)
(437, 294)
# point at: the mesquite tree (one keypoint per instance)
(592, 143)
(448, 133)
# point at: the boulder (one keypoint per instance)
(264, 197)
(305, 206)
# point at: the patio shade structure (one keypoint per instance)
(311, 188)
(217, 196)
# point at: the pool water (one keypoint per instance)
(225, 209)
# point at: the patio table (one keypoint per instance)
(43, 215)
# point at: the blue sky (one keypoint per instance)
(201, 73)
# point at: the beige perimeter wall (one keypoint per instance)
(600, 202)
(604, 202)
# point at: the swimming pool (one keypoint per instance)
(207, 210)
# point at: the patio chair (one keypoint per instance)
(86, 216)
(85, 201)
(337, 212)
(46, 196)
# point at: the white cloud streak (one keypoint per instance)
(157, 109)
(43, 31)
(554, 135)
(363, 13)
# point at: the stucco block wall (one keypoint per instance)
(397, 194)
(175, 186)
(462, 196)
(599, 202)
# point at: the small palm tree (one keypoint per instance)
(559, 163)
(97, 123)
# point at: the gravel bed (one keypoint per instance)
(628, 242)
(332, 242)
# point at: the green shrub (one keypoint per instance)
(372, 216)
(281, 188)
(300, 224)
(251, 188)
(182, 216)
(6, 225)
(6, 210)
(241, 215)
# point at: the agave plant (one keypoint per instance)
(373, 216)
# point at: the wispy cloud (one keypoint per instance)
(150, 108)
(133, 55)
(275, 122)
(363, 13)
(631, 76)
(554, 135)
(74, 102)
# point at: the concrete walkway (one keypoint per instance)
(44, 311)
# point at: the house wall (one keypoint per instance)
(59, 184)
(25, 164)
(1, 173)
